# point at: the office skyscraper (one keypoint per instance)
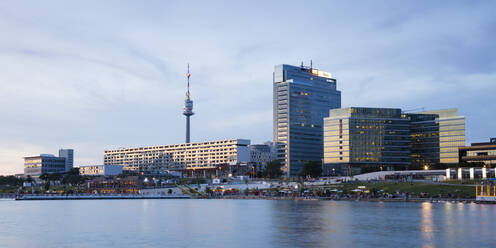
(302, 98)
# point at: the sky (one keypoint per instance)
(97, 75)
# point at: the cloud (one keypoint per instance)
(96, 75)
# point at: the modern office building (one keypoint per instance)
(357, 137)
(451, 134)
(261, 155)
(302, 97)
(201, 157)
(424, 137)
(389, 139)
(100, 170)
(43, 164)
(68, 154)
(484, 152)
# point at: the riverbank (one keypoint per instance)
(238, 197)
(243, 197)
(28, 197)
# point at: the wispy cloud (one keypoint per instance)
(94, 75)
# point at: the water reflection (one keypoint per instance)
(245, 223)
(427, 224)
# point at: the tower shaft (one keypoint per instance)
(187, 129)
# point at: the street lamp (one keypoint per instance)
(426, 167)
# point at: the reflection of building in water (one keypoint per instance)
(427, 224)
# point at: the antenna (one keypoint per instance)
(188, 75)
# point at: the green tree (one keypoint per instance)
(45, 177)
(72, 177)
(311, 169)
(10, 180)
(273, 169)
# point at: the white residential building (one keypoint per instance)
(188, 156)
(100, 170)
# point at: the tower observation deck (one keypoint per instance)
(188, 109)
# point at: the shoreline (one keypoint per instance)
(235, 197)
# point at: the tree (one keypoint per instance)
(312, 169)
(72, 179)
(273, 169)
(45, 177)
(10, 180)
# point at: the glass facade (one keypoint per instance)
(451, 134)
(302, 98)
(366, 136)
(424, 136)
(37, 165)
(387, 137)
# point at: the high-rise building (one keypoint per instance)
(357, 137)
(302, 98)
(451, 134)
(68, 154)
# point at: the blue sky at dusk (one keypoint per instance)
(94, 75)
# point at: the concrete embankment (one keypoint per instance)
(98, 197)
(243, 197)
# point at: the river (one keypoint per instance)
(244, 223)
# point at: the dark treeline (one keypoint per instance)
(10, 181)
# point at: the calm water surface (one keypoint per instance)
(244, 223)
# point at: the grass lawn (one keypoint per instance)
(463, 191)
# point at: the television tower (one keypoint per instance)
(188, 108)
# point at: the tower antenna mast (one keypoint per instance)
(188, 108)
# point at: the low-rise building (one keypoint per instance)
(100, 170)
(358, 139)
(372, 137)
(127, 185)
(34, 166)
(199, 157)
(484, 152)
(260, 155)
